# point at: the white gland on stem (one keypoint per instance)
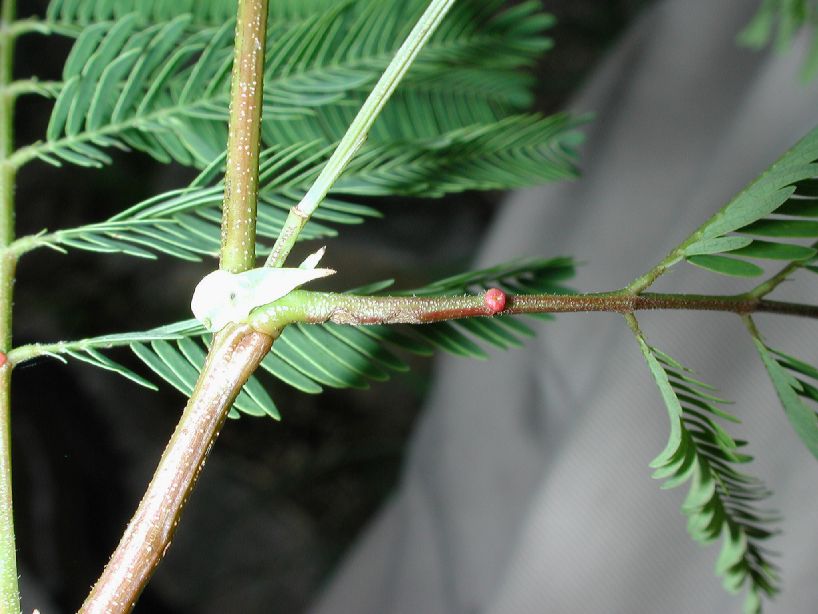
(222, 297)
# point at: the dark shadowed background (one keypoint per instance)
(278, 503)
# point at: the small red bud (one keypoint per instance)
(495, 300)
(3, 359)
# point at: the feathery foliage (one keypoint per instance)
(781, 20)
(310, 357)
(795, 384)
(157, 80)
(71, 16)
(721, 501)
(780, 206)
(184, 223)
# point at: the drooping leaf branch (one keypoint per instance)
(789, 377)
(721, 502)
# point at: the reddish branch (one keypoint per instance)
(233, 358)
(317, 307)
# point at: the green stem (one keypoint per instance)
(763, 289)
(640, 284)
(31, 25)
(238, 252)
(9, 588)
(358, 130)
(47, 89)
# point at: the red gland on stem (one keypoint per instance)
(495, 300)
(3, 359)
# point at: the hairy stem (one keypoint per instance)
(236, 352)
(317, 307)
(234, 356)
(9, 589)
(238, 252)
(358, 130)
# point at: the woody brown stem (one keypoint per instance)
(234, 356)
(318, 307)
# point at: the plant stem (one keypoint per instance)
(318, 307)
(358, 130)
(763, 289)
(640, 284)
(238, 252)
(9, 588)
(234, 356)
(47, 89)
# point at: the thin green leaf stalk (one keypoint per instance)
(642, 283)
(765, 288)
(751, 327)
(23, 87)
(9, 588)
(358, 130)
(238, 251)
(236, 352)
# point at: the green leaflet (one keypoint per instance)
(311, 357)
(790, 378)
(726, 266)
(777, 205)
(720, 504)
(715, 246)
(155, 77)
(767, 193)
(775, 251)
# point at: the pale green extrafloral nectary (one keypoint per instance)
(222, 297)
